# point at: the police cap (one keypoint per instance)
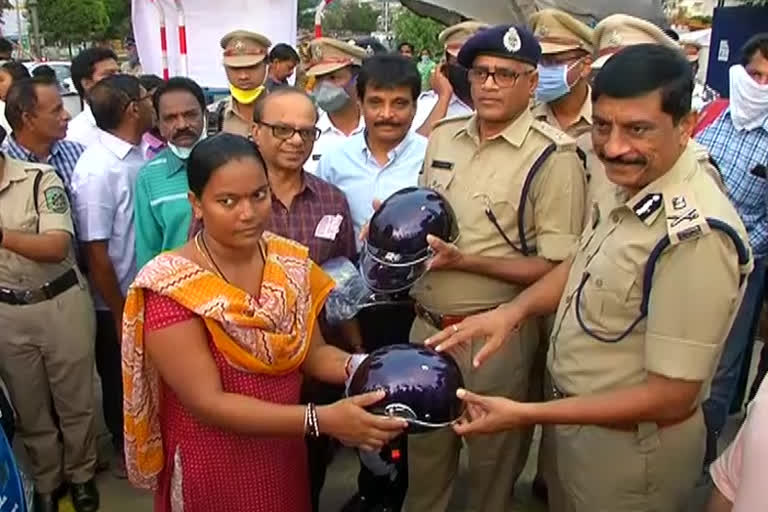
(505, 41)
(243, 49)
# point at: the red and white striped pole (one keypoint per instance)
(182, 39)
(163, 38)
(319, 17)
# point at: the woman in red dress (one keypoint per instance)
(216, 338)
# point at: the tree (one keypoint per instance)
(419, 31)
(119, 12)
(72, 21)
(306, 14)
(350, 16)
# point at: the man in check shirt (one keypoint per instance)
(312, 212)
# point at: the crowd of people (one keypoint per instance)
(606, 284)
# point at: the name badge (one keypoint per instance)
(442, 164)
(328, 227)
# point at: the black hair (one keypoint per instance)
(388, 72)
(44, 70)
(6, 46)
(150, 82)
(17, 70)
(110, 98)
(640, 69)
(283, 52)
(215, 152)
(371, 44)
(258, 111)
(84, 64)
(22, 98)
(179, 83)
(406, 43)
(757, 43)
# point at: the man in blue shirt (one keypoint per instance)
(369, 166)
(738, 142)
(385, 157)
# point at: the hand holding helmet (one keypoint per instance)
(349, 422)
(493, 326)
(444, 255)
(490, 414)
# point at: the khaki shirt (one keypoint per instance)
(695, 291)
(233, 122)
(543, 112)
(18, 212)
(475, 176)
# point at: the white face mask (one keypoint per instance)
(749, 100)
(182, 152)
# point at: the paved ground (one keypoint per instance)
(119, 496)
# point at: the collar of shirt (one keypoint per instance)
(173, 163)
(16, 150)
(116, 145)
(362, 140)
(230, 110)
(152, 142)
(13, 170)
(308, 184)
(326, 125)
(514, 133)
(680, 172)
(543, 112)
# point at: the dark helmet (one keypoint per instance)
(420, 383)
(396, 250)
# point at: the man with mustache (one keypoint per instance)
(517, 187)
(245, 56)
(450, 95)
(162, 212)
(643, 305)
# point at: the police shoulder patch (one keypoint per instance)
(685, 221)
(56, 199)
(452, 120)
(560, 138)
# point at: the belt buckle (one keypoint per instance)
(556, 394)
(34, 296)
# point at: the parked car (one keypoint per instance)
(63, 73)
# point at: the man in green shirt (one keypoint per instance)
(162, 210)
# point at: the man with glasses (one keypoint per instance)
(312, 212)
(518, 190)
(103, 185)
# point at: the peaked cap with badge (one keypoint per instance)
(329, 55)
(505, 41)
(619, 31)
(558, 31)
(454, 37)
(243, 49)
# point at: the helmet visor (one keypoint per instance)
(390, 278)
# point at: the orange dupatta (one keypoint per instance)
(270, 335)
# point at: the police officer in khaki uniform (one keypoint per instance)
(244, 60)
(563, 95)
(517, 187)
(48, 327)
(644, 305)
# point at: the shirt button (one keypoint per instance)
(615, 218)
(599, 282)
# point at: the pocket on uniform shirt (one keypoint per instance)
(610, 299)
(439, 179)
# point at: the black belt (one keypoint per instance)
(46, 292)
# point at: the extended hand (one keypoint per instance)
(350, 423)
(489, 414)
(445, 256)
(364, 229)
(492, 326)
(440, 83)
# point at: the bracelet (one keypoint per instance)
(311, 427)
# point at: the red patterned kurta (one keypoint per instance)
(211, 470)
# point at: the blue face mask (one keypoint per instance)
(553, 82)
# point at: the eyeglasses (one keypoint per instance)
(502, 77)
(283, 132)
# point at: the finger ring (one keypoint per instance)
(455, 328)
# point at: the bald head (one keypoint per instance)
(284, 129)
(292, 96)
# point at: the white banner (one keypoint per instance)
(207, 21)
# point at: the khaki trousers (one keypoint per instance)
(594, 469)
(46, 360)
(494, 461)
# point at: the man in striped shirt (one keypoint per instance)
(162, 212)
(39, 121)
